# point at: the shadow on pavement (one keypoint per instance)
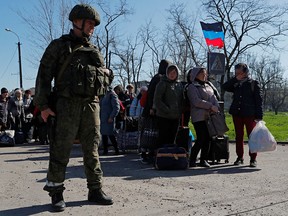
(130, 167)
(39, 209)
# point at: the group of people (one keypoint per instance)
(85, 101)
(169, 101)
(18, 113)
(115, 106)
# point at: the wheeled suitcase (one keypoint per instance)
(219, 149)
(183, 138)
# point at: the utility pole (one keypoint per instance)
(19, 55)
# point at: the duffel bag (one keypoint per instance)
(171, 158)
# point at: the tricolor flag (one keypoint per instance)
(213, 34)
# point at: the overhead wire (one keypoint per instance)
(8, 64)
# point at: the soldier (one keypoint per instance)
(80, 77)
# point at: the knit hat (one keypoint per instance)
(4, 90)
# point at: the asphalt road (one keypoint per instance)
(139, 189)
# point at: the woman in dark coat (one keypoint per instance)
(246, 108)
(109, 108)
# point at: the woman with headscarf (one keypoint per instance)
(167, 103)
(203, 100)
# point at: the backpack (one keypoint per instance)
(87, 78)
(83, 71)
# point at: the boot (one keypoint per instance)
(204, 163)
(99, 197)
(117, 150)
(58, 203)
(192, 163)
(56, 194)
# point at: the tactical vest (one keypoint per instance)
(83, 76)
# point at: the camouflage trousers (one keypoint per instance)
(76, 116)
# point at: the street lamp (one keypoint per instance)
(19, 54)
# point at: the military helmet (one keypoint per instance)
(84, 11)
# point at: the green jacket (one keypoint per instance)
(52, 62)
(168, 99)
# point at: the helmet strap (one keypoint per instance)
(84, 35)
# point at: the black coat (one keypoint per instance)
(247, 98)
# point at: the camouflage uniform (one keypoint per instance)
(75, 114)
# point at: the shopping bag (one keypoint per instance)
(261, 139)
(216, 124)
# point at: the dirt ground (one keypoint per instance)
(139, 189)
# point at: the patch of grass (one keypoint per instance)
(277, 124)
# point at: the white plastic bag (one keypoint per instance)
(260, 139)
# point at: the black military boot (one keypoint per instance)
(57, 200)
(58, 203)
(99, 197)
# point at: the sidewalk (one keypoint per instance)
(139, 189)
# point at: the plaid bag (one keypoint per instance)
(149, 133)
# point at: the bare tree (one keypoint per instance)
(270, 75)
(156, 46)
(277, 94)
(47, 21)
(108, 38)
(131, 58)
(182, 40)
(247, 24)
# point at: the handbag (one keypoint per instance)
(216, 124)
(261, 139)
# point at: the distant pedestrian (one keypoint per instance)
(5, 119)
(28, 116)
(136, 109)
(16, 107)
(109, 109)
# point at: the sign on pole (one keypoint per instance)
(216, 63)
